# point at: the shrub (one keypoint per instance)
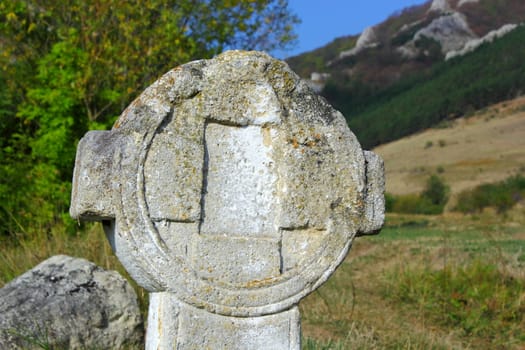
(431, 201)
(413, 204)
(390, 201)
(436, 191)
(502, 196)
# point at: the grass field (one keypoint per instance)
(425, 282)
(443, 282)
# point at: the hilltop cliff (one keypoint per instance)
(413, 38)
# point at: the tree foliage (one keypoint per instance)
(73, 65)
(436, 191)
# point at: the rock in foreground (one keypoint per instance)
(69, 303)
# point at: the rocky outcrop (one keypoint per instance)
(475, 43)
(451, 31)
(317, 81)
(463, 2)
(440, 6)
(408, 51)
(367, 39)
(69, 303)
(422, 34)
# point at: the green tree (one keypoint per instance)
(73, 65)
(436, 191)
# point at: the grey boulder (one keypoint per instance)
(69, 303)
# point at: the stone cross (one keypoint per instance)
(229, 190)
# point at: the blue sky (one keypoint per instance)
(325, 20)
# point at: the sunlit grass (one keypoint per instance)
(443, 282)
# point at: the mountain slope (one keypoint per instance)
(411, 71)
(451, 89)
(486, 147)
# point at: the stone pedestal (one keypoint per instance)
(174, 324)
(229, 190)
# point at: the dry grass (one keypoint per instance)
(354, 310)
(31, 248)
(487, 147)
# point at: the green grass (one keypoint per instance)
(426, 282)
(476, 298)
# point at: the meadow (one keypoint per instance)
(450, 281)
(426, 282)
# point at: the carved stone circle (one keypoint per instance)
(231, 184)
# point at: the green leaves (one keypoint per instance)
(436, 191)
(74, 65)
(502, 196)
(54, 104)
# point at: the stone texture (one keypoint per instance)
(241, 181)
(451, 31)
(69, 303)
(183, 327)
(367, 39)
(441, 6)
(231, 187)
(463, 2)
(374, 214)
(473, 44)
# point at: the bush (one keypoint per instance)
(431, 201)
(436, 191)
(412, 204)
(502, 196)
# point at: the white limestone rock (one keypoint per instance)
(408, 51)
(473, 44)
(367, 39)
(451, 31)
(317, 81)
(441, 6)
(69, 303)
(463, 2)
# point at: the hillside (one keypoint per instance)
(448, 90)
(422, 65)
(486, 147)
(411, 39)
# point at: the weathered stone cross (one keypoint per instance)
(229, 190)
